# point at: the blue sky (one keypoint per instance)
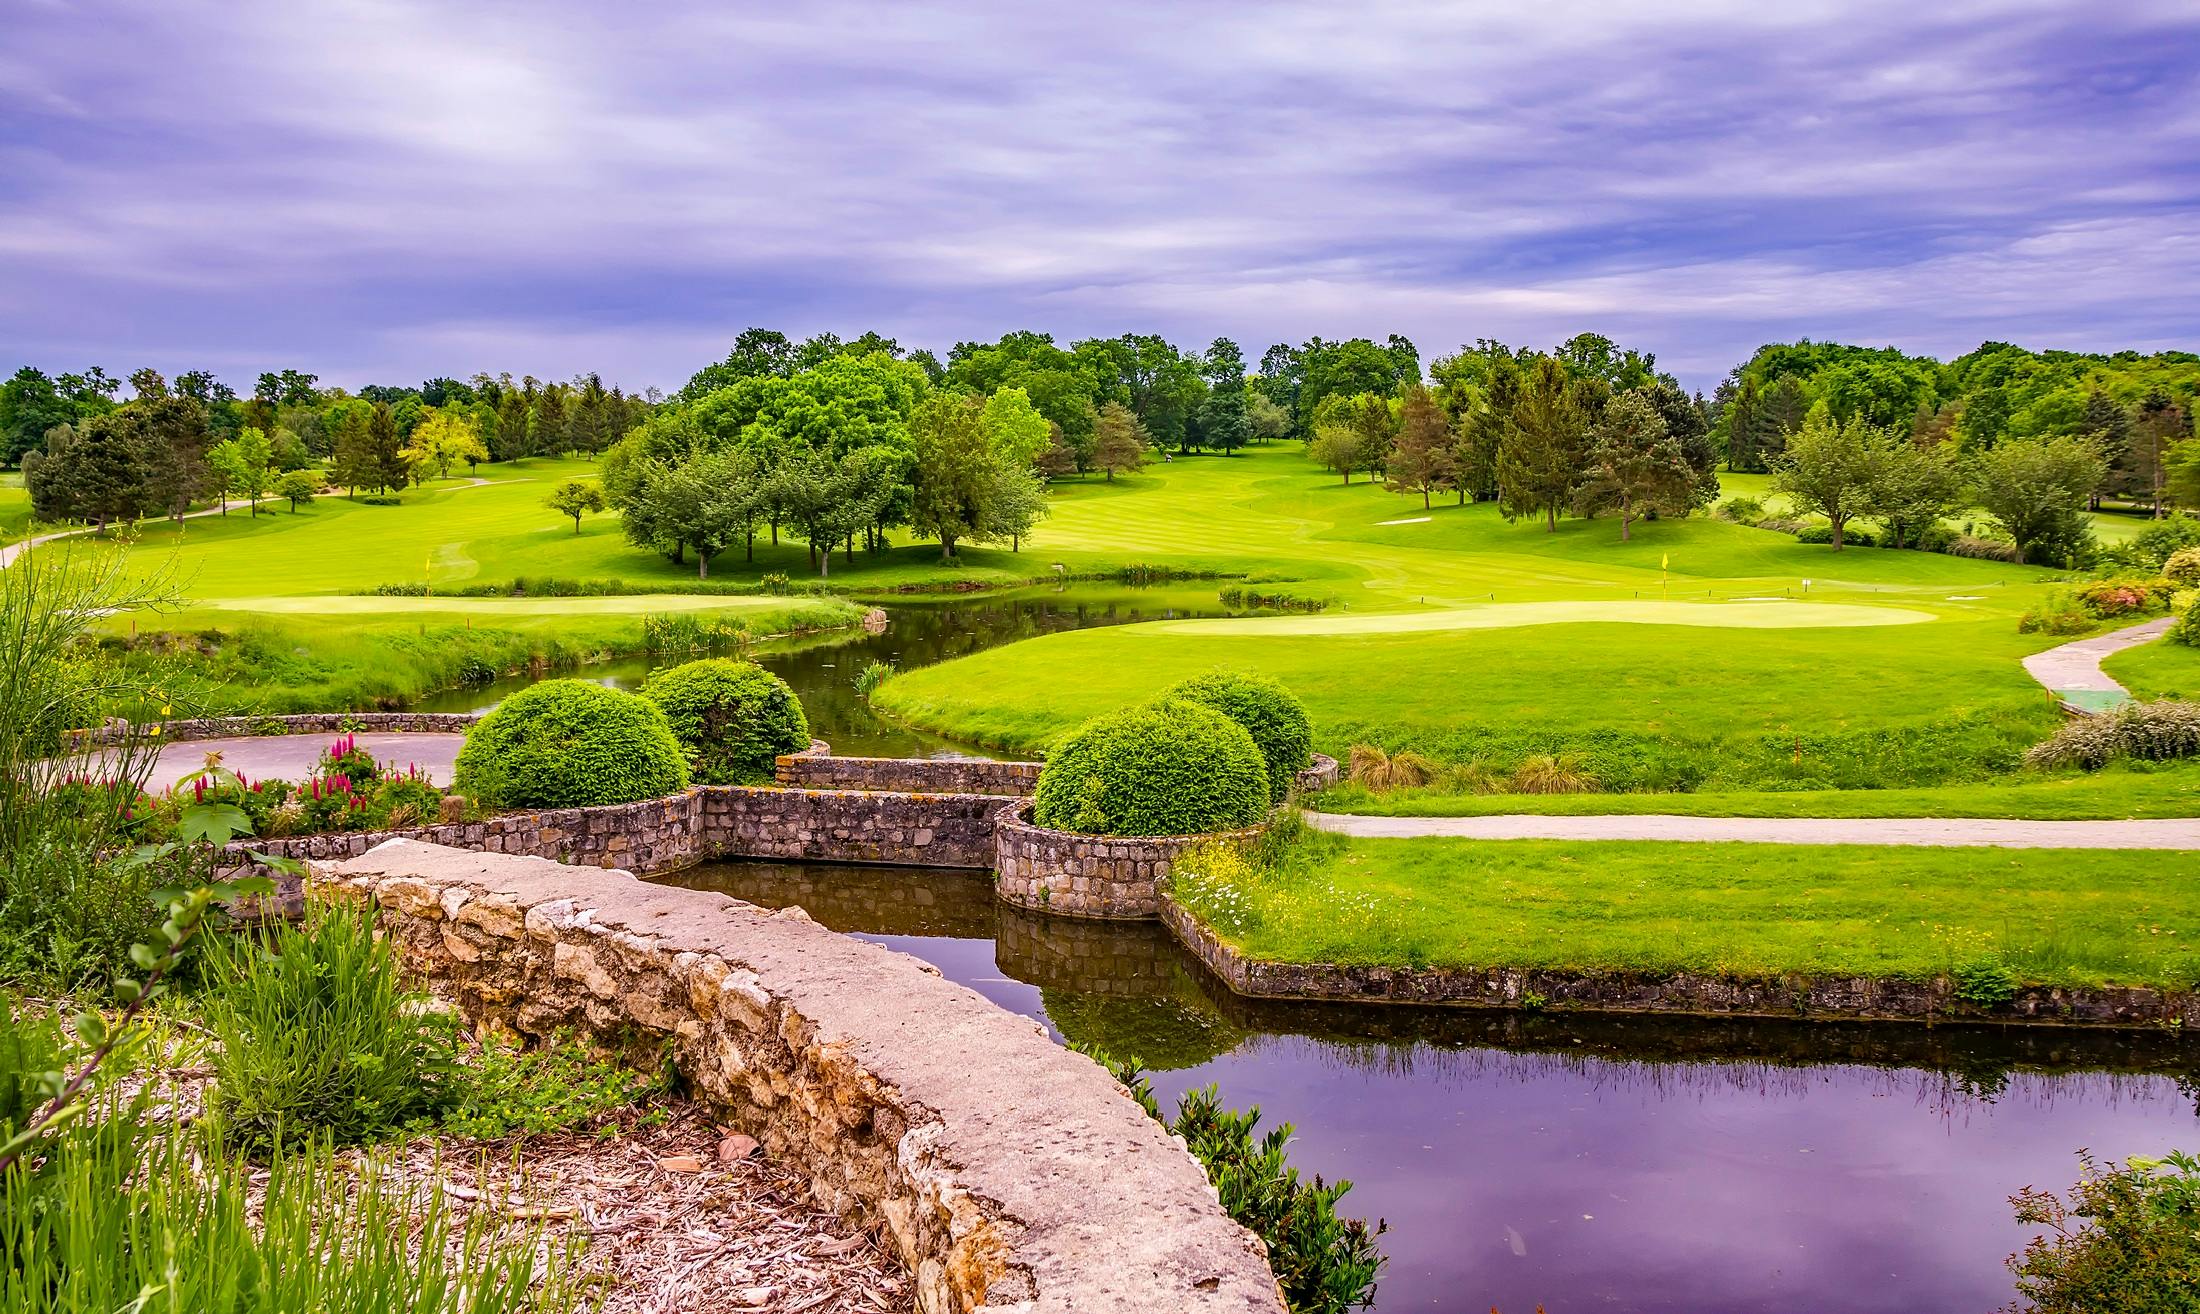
(378, 191)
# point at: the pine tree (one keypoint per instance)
(1421, 458)
(1118, 440)
(552, 432)
(1540, 454)
(1635, 464)
(385, 467)
(353, 462)
(511, 439)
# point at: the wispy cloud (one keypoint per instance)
(382, 189)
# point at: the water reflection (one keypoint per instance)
(922, 631)
(1580, 1162)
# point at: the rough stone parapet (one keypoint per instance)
(1319, 775)
(237, 727)
(1072, 875)
(1800, 996)
(921, 775)
(839, 825)
(1010, 1174)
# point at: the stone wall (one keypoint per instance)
(1009, 1173)
(237, 727)
(1318, 776)
(918, 830)
(1071, 875)
(711, 821)
(917, 775)
(1875, 998)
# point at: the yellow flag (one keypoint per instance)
(1665, 560)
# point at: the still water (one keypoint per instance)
(1618, 1164)
(822, 668)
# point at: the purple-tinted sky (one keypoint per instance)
(382, 190)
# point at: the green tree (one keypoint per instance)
(1828, 468)
(1913, 488)
(1541, 451)
(575, 498)
(1224, 423)
(441, 438)
(1118, 440)
(1015, 431)
(243, 465)
(703, 504)
(1265, 420)
(384, 458)
(1421, 458)
(2035, 490)
(30, 408)
(510, 440)
(93, 471)
(549, 431)
(953, 471)
(1635, 465)
(353, 461)
(299, 486)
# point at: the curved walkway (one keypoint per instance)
(1931, 831)
(2072, 671)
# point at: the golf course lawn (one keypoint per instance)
(2052, 916)
(2108, 794)
(2161, 669)
(15, 507)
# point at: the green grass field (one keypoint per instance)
(15, 507)
(2160, 669)
(1464, 636)
(2057, 917)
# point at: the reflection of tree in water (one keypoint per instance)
(1162, 1034)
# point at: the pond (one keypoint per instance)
(1576, 1162)
(920, 631)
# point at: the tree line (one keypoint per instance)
(89, 455)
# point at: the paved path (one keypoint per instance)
(292, 757)
(1948, 832)
(2072, 671)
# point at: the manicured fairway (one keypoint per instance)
(2161, 669)
(15, 507)
(1508, 615)
(2052, 916)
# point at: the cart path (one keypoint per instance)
(2072, 671)
(1931, 831)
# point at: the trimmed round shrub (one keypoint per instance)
(1269, 713)
(733, 718)
(570, 744)
(2183, 567)
(1171, 767)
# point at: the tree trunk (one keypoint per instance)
(775, 531)
(576, 524)
(850, 554)
(748, 552)
(1626, 519)
(1424, 498)
(1838, 526)
(825, 564)
(702, 563)
(1550, 520)
(947, 548)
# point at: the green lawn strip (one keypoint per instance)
(303, 662)
(2161, 669)
(1648, 706)
(2055, 917)
(2108, 794)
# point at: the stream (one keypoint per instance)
(1576, 1162)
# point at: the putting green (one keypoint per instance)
(1505, 615)
(629, 605)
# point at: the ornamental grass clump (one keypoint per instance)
(318, 1041)
(570, 744)
(2153, 732)
(1270, 714)
(734, 718)
(1170, 767)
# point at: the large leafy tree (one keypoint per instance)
(1828, 468)
(1119, 441)
(242, 465)
(93, 471)
(1913, 487)
(30, 408)
(446, 436)
(2035, 490)
(954, 470)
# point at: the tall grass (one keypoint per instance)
(317, 1038)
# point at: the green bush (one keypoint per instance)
(2127, 1240)
(1171, 767)
(732, 717)
(2187, 628)
(2163, 539)
(514, 1091)
(1270, 714)
(317, 1039)
(1740, 510)
(570, 744)
(2182, 567)
(1324, 1262)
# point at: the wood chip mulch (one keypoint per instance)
(683, 1216)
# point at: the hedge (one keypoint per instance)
(1171, 767)
(733, 718)
(570, 744)
(1270, 714)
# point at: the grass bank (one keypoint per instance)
(2137, 791)
(2160, 669)
(2048, 916)
(304, 661)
